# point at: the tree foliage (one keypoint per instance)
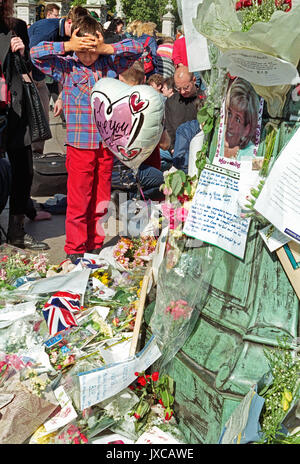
(145, 10)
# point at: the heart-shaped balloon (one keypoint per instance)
(129, 119)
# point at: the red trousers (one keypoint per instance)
(89, 191)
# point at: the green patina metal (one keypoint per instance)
(250, 305)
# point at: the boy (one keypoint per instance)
(88, 163)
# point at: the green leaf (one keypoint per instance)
(210, 111)
(208, 126)
(165, 398)
(176, 184)
(182, 175)
(188, 188)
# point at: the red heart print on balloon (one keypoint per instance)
(129, 154)
(136, 103)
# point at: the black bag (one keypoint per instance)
(49, 175)
(38, 124)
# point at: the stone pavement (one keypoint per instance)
(53, 231)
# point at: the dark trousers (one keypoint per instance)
(21, 179)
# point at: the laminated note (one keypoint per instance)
(214, 215)
(103, 383)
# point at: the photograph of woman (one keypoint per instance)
(241, 120)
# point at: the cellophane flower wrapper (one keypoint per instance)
(215, 79)
(219, 22)
(20, 336)
(181, 293)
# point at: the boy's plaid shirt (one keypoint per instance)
(78, 81)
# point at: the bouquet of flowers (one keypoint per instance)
(268, 27)
(181, 292)
(179, 190)
(152, 389)
(268, 410)
(14, 266)
(135, 252)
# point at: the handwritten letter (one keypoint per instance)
(214, 216)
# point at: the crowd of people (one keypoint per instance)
(66, 57)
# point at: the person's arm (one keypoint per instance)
(125, 54)
(176, 54)
(58, 106)
(170, 124)
(48, 58)
(20, 29)
(165, 140)
(153, 47)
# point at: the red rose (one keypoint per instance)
(83, 438)
(238, 5)
(161, 402)
(168, 416)
(289, 3)
(137, 416)
(142, 381)
(155, 376)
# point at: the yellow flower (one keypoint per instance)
(285, 404)
(105, 279)
(287, 395)
(41, 437)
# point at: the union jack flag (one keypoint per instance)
(58, 311)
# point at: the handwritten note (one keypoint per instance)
(103, 383)
(279, 199)
(214, 216)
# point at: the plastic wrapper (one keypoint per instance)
(183, 281)
(21, 336)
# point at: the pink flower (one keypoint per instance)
(167, 191)
(169, 213)
(181, 214)
(179, 309)
(2, 274)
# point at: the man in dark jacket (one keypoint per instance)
(183, 106)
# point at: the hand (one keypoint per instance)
(98, 45)
(58, 107)
(17, 45)
(80, 44)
